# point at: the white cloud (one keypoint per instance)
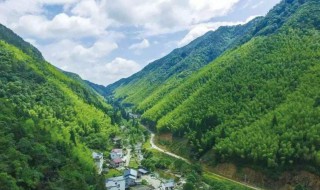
(111, 72)
(81, 35)
(257, 5)
(141, 45)
(61, 26)
(200, 29)
(89, 62)
(74, 57)
(166, 16)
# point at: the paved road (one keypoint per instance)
(154, 146)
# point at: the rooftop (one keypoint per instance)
(169, 184)
(117, 151)
(131, 172)
(141, 170)
(112, 182)
(96, 155)
(117, 160)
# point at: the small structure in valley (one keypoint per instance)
(98, 159)
(118, 162)
(142, 171)
(116, 153)
(116, 183)
(131, 176)
(169, 185)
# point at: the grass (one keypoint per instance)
(133, 163)
(177, 145)
(219, 182)
(113, 173)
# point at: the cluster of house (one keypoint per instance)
(117, 159)
(129, 178)
(116, 156)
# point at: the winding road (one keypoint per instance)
(154, 146)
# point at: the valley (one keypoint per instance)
(236, 108)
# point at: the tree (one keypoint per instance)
(7, 182)
(73, 137)
(188, 186)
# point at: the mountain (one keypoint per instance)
(98, 88)
(49, 122)
(146, 87)
(257, 103)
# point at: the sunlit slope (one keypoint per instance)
(259, 102)
(48, 123)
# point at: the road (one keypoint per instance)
(154, 146)
(128, 157)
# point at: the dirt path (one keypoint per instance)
(154, 146)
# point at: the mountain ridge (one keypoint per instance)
(255, 104)
(49, 123)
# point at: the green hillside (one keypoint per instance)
(146, 87)
(257, 103)
(48, 123)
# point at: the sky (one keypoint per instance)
(106, 40)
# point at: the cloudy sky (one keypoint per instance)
(106, 40)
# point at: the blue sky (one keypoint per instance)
(106, 40)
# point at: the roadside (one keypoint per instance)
(128, 157)
(206, 171)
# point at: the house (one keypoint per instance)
(130, 175)
(98, 159)
(142, 171)
(118, 162)
(116, 153)
(168, 185)
(138, 148)
(116, 183)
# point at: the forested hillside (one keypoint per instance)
(146, 87)
(48, 123)
(258, 102)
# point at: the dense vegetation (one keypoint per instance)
(256, 103)
(159, 78)
(48, 123)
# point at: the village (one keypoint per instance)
(124, 170)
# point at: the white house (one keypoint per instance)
(98, 159)
(130, 175)
(167, 186)
(116, 183)
(116, 153)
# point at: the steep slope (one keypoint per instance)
(98, 88)
(12, 38)
(48, 122)
(157, 79)
(258, 103)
